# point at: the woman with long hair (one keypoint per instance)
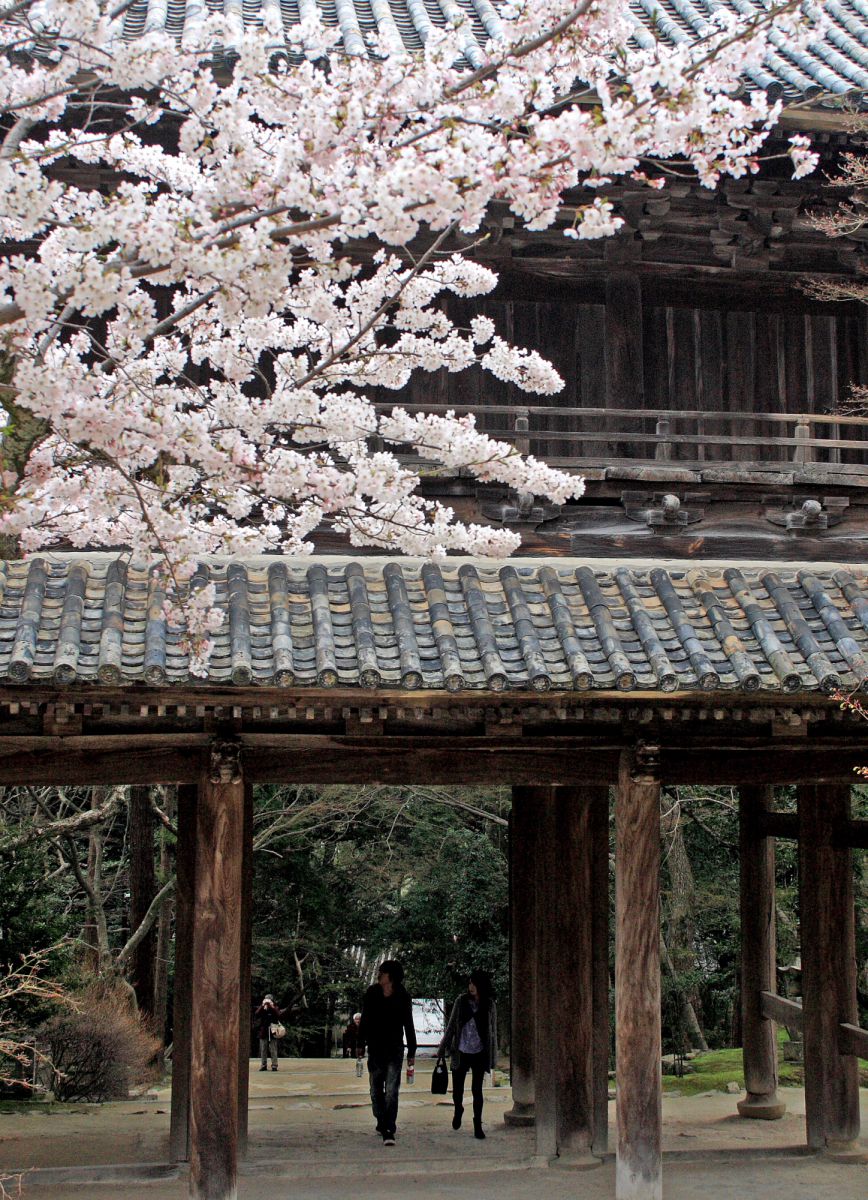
(471, 1041)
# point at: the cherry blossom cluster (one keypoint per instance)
(210, 269)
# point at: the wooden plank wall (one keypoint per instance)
(704, 358)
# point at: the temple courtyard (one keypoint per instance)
(311, 1137)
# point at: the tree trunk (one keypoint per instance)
(164, 928)
(95, 931)
(689, 1021)
(677, 949)
(143, 888)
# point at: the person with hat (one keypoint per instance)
(265, 1018)
(353, 1047)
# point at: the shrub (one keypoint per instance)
(100, 1051)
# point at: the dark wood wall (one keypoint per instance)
(628, 351)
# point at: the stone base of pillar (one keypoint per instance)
(578, 1160)
(520, 1116)
(845, 1152)
(762, 1108)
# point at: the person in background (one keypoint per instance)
(471, 1040)
(351, 1046)
(387, 1018)
(265, 1016)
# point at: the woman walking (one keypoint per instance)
(471, 1040)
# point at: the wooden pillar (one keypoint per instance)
(827, 933)
(185, 868)
(522, 954)
(215, 1015)
(572, 969)
(758, 974)
(599, 838)
(245, 968)
(546, 901)
(638, 1172)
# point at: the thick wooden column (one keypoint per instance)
(827, 932)
(599, 837)
(185, 869)
(215, 1015)
(572, 976)
(757, 895)
(522, 945)
(638, 1173)
(546, 901)
(245, 1023)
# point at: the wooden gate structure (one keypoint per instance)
(559, 678)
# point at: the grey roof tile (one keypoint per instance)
(494, 627)
(838, 62)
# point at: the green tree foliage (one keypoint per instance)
(345, 877)
(33, 918)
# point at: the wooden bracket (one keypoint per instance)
(645, 765)
(225, 762)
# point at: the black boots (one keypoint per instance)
(456, 1120)
(477, 1128)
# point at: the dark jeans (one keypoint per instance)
(476, 1064)
(384, 1076)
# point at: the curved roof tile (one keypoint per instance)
(836, 63)
(519, 626)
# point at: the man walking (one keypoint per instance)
(387, 1018)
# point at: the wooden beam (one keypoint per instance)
(782, 1009)
(773, 824)
(828, 947)
(638, 1171)
(546, 898)
(185, 868)
(522, 948)
(772, 763)
(853, 1040)
(857, 834)
(600, 950)
(786, 825)
(758, 959)
(324, 758)
(216, 979)
(456, 760)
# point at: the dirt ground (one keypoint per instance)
(311, 1133)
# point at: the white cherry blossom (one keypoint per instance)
(206, 280)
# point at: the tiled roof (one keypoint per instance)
(522, 625)
(838, 62)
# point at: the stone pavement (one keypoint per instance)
(311, 1138)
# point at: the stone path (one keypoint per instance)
(311, 1133)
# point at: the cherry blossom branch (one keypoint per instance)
(520, 51)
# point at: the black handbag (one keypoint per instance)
(440, 1078)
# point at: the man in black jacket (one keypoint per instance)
(387, 1018)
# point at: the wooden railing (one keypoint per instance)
(851, 1039)
(576, 437)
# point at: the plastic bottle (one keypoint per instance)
(358, 1068)
(411, 1073)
